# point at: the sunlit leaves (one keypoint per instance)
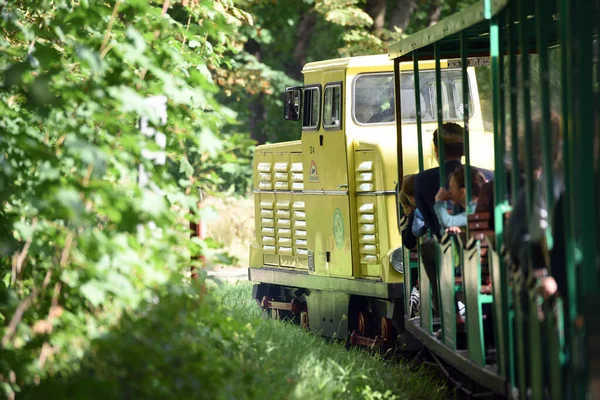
(351, 16)
(75, 81)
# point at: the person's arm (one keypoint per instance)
(423, 206)
(418, 225)
(408, 238)
(446, 220)
(516, 230)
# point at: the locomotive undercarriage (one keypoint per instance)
(358, 318)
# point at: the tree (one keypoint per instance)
(81, 241)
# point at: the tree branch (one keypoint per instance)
(20, 259)
(23, 306)
(110, 25)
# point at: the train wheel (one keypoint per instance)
(362, 323)
(387, 330)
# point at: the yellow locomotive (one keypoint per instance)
(327, 251)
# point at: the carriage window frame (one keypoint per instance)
(340, 104)
(432, 105)
(305, 105)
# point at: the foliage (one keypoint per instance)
(81, 241)
(224, 350)
(276, 48)
(420, 19)
(181, 345)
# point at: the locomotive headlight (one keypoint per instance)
(396, 260)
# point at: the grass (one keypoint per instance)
(295, 364)
(193, 343)
(290, 363)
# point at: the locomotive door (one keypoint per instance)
(336, 221)
(312, 160)
(326, 176)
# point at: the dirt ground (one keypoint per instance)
(231, 224)
(230, 274)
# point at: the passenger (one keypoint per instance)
(387, 115)
(413, 228)
(522, 233)
(526, 237)
(415, 222)
(427, 183)
(457, 195)
(409, 241)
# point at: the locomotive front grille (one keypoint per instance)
(281, 213)
(299, 228)
(282, 176)
(365, 180)
(297, 176)
(367, 230)
(264, 176)
(267, 221)
(365, 177)
(284, 224)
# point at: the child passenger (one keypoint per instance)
(457, 194)
(414, 226)
(408, 188)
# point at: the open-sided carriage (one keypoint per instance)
(521, 340)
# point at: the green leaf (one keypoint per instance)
(70, 277)
(94, 291)
(91, 58)
(120, 285)
(13, 74)
(152, 203)
(209, 142)
(130, 100)
(24, 229)
(185, 167)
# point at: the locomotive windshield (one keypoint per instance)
(374, 97)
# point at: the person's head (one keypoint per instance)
(406, 204)
(457, 189)
(408, 187)
(452, 138)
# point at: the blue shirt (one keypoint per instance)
(446, 220)
(418, 226)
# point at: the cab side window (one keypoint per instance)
(311, 108)
(332, 106)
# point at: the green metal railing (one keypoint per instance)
(548, 354)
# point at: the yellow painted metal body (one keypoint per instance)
(325, 204)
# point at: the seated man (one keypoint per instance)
(427, 184)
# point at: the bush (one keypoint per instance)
(83, 239)
(189, 343)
